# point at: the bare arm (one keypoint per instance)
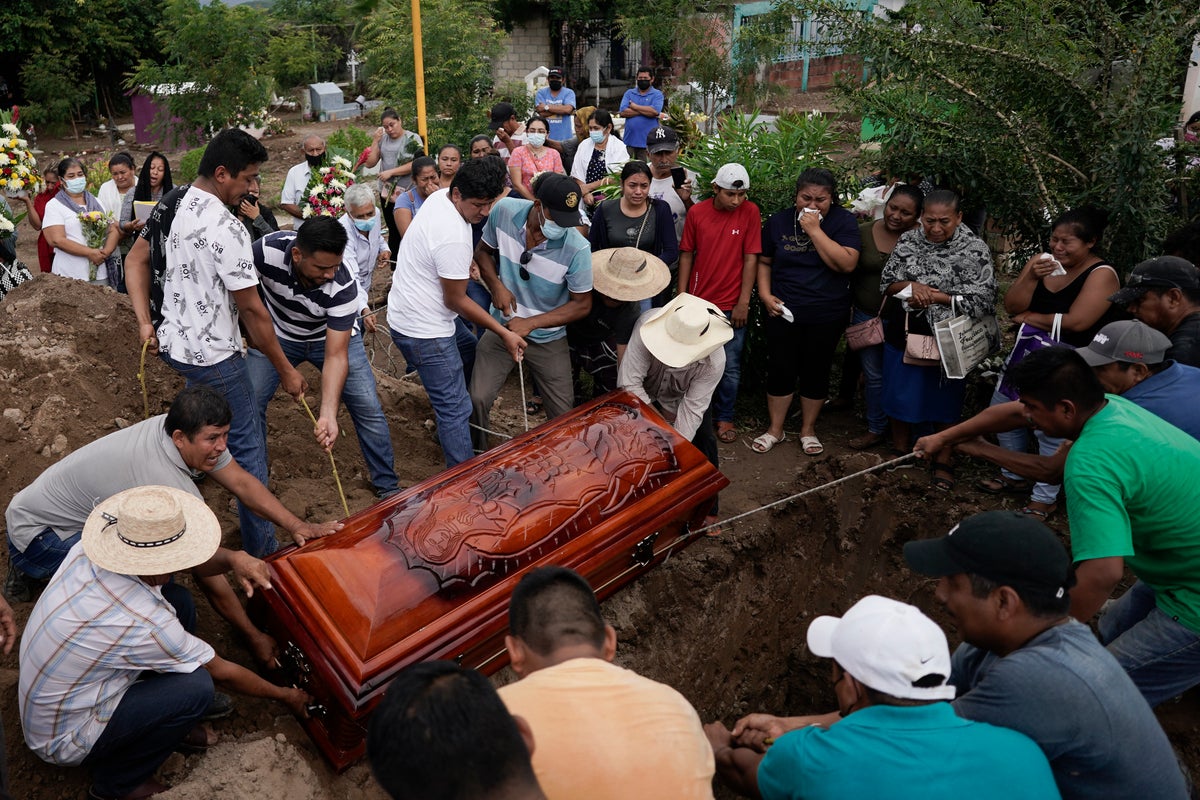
(737, 767)
(577, 307)
(241, 680)
(1046, 469)
(454, 295)
(741, 311)
(257, 320)
(686, 258)
(333, 380)
(994, 419)
(837, 257)
(292, 209)
(35, 219)
(258, 498)
(1095, 580)
(56, 237)
(514, 175)
(769, 301)
(137, 283)
(1087, 309)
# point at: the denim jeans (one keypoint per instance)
(247, 440)
(440, 366)
(360, 397)
(726, 393)
(43, 555)
(871, 359)
(1017, 441)
(479, 293)
(1161, 655)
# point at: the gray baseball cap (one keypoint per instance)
(1127, 340)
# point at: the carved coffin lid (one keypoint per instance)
(416, 576)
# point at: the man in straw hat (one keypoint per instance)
(674, 361)
(896, 735)
(539, 271)
(621, 277)
(110, 675)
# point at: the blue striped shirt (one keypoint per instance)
(299, 314)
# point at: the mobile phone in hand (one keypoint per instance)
(678, 176)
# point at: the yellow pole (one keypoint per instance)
(419, 72)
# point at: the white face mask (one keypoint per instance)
(536, 139)
(75, 185)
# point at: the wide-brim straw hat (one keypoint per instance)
(626, 273)
(151, 530)
(686, 330)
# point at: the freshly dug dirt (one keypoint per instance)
(723, 621)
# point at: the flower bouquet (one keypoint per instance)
(95, 226)
(18, 168)
(324, 196)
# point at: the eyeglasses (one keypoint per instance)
(526, 257)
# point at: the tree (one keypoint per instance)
(1027, 107)
(460, 40)
(213, 63)
(294, 53)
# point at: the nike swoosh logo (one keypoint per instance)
(926, 660)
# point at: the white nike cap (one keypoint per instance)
(888, 646)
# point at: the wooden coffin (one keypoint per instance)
(608, 490)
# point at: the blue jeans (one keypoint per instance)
(1018, 441)
(43, 555)
(1161, 655)
(479, 293)
(871, 359)
(440, 366)
(726, 393)
(247, 440)
(360, 397)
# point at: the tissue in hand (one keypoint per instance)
(1058, 267)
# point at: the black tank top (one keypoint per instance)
(1045, 301)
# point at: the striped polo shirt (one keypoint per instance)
(299, 314)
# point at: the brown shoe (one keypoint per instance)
(866, 441)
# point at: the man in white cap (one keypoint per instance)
(621, 277)
(110, 676)
(896, 736)
(718, 262)
(674, 361)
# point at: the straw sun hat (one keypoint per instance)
(626, 273)
(686, 330)
(151, 530)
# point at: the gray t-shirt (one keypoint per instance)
(64, 495)
(1068, 694)
(393, 153)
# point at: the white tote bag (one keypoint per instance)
(964, 342)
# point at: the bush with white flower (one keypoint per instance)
(325, 195)
(18, 168)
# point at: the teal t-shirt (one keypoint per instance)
(1131, 481)
(905, 753)
(550, 272)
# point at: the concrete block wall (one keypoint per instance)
(821, 71)
(527, 48)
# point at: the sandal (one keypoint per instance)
(946, 481)
(198, 739)
(764, 443)
(715, 530)
(533, 406)
(726, 432)
(811, 445)
(1044, 513)
(1002, 484)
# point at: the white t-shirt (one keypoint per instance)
(293, 188)
(437, 245)
(208, 258)
(67, 264)
(664, 189)
(111, 197)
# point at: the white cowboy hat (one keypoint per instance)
(151, 530)
(686, 330)
(626, 273)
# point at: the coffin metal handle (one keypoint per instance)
(643, 551)
(299, 663)
(316, 710)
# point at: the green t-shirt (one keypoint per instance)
(1131, 481)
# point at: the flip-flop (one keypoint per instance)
(198, 739)
(764, 443)
(1004, 485)
(946, 481)
(1044, 516)
(713, 532)
(811, 445)
(726, 432)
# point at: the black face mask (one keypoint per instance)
(643, 85)
(555, 85)
(314, 161)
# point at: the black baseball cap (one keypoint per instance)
(555, 72)
(1160, 272)
(502, 113)
(662, 140)
(559, 195)
(1008, 547)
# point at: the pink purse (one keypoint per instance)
(920, 350)
(867, 333)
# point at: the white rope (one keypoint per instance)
(798, 495)
(491, 433)
(524, 403)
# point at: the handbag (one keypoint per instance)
(867, 333)
(12, 275)
(963, 341)
(1028, 340)
(920, 350)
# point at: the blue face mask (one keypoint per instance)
(596, 136)
(553, 231)
(364, 225)
(75, 185)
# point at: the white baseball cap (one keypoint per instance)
(888, 646)
(732, 176)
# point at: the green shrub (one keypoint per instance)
(189, 166)
(348, 142)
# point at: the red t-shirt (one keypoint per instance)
(719, 240)
(45, 251)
